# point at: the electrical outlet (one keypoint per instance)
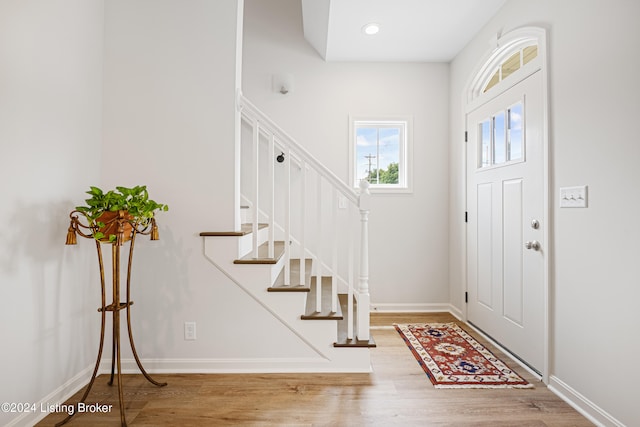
(342, 202)
(190, 331)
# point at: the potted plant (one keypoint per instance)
(117, 212)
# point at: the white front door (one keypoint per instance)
(505, 230)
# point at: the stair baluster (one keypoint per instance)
(303, 217)
(272, 196)
(256, 185)
(351, 275)
(287, 218)
(319, 248)
(334, 257)
(327, 224)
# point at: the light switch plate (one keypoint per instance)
(573, 197)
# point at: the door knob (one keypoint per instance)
(534, 244)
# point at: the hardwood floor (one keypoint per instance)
(396, 393)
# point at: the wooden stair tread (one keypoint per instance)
(326, 313)
(244, 230)
(294, 267)
(343, 341)
(263, 254)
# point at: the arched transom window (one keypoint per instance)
(511, 65)
(518, 53)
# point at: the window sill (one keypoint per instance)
(379, 190)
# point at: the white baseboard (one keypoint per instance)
(231, 366)
(56, 397)
(412, 308)
(591, 411)
(456, 312)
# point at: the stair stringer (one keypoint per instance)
(287, 308)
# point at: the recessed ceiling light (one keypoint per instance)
(371, 29)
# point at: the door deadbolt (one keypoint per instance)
(535, 224)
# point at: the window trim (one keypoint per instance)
(406, 152)
(504, 47)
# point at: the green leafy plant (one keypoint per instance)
(135, 201)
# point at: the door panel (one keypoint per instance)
(485, 245)
(512, 243)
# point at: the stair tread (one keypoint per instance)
(294, 266)
(263, 254)
(343, 341)
(244, 230)
(326, 313)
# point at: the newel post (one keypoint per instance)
(362, 294)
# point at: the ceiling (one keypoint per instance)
(410, 30)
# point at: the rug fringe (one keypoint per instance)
(480, 386)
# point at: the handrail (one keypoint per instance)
(266, 122)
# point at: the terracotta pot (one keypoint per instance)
(112, 221)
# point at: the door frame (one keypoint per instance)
(473, 97)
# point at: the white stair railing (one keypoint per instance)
(323, 239)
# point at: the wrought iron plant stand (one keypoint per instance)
(125, 229)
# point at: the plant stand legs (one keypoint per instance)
(115, 307)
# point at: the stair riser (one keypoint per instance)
(255, 276)
(245, 243)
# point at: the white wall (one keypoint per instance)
(169, 104)
(50, 135)
(594, 57)
(168, 79)
(409, 248)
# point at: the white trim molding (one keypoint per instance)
(58, 396)
(577, 401)
(414, 308)
(278, 365)
(506, 45)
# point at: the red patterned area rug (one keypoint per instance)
(451, 358)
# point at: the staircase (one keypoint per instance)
(303, 240)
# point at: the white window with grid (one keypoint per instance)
(380, 153)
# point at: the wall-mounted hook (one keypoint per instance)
(280, 158)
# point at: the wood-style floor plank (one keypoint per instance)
(396, 393)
